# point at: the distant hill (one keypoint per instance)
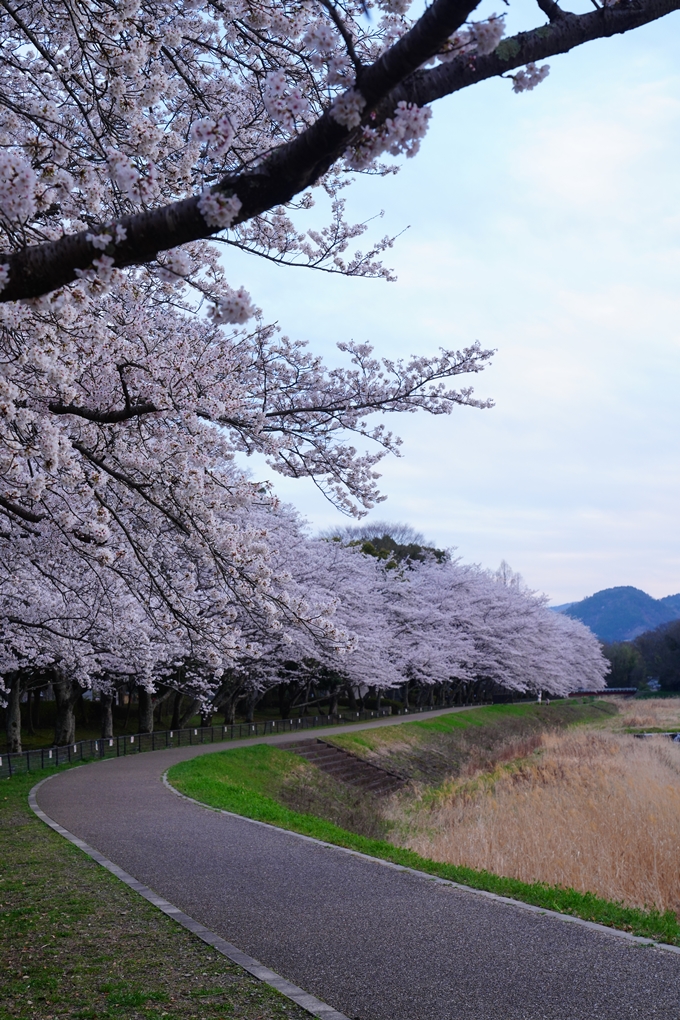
(673, 602)
(620, 614)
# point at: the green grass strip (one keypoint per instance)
(246, 780)
(78, 944)
(558, 713)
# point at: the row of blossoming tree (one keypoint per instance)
(348, 621)
(138, 140)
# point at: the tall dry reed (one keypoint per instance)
(595, 811)
(656, 713)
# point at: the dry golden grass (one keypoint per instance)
(593, 810)
(655, 714)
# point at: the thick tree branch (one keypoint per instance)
(550, 40)
(104, 417)
(292, 167)
(19, 511)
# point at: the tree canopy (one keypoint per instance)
(137, 139)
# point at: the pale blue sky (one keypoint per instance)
(546, 225)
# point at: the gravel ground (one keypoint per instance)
(375, 943)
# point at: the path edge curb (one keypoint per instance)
(299, 996)
(604, 929)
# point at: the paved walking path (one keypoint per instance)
(374, 942)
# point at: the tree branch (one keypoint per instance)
(345, 33)
(104, 417)
(547, 41)
(19, 511)
(552, 10)
(294, 166)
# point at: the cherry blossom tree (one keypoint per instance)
(459, 624)
(122, 416)
(137, 139)
(431, 623)
(92, 621)
(133, 128)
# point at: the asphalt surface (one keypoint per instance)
(374, 942)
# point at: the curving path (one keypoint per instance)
(375, 942)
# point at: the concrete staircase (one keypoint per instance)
(345, 766)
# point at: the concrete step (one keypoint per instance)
(345, 766)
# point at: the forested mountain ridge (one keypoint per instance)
(622, 613)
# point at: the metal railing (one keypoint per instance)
(114, 747)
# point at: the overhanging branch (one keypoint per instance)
(14, 510)
(292, 167)
(560, 36)
(104, 417)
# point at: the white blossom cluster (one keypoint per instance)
(219, 210)
(216, 134)
(479, 38)
(285, 104)
(175, 267)
(529, 77)
(234, 307)
(399, 135)
(348, 108)
(17, 188)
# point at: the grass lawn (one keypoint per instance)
(76, 943)
(251, 781)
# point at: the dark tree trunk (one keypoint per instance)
(37, 698)
(158, 700)
(176, 706)
(333, 703)
(189, 714)
(82, 705)
(129, 706)
(286, 697)
(226, 697)
(66, 693)
(251, 701)
(351, 698)
(106, 704)
(207, 716)
(13, 716)
(378, 697)
(146, 707)
(229, 709)
(29, 711)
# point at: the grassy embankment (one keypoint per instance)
(267, 783)
(76, 943)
